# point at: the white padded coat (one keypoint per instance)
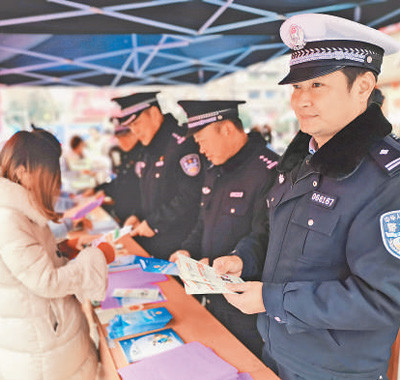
(43, 332)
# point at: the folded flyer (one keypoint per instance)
(138, 322)
(137, 348)
(150, 264)
(151, 293)
(200, 278)
(123, 262)
(112, 236)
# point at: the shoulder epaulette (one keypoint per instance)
(387, 155)
(179, 139)
(268, 162)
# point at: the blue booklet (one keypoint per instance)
(138, 322)
(150, 344)
(151, 264)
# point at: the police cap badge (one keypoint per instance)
(322, 44)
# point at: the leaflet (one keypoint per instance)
(149, 344)
(138, 322)
(151, 264)
(112, 236)
(200, 278)
(146, 293)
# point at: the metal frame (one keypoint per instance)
(133, 70)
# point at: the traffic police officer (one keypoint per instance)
(170, 176)
(233, 214)
(329, 300)
(124, 188)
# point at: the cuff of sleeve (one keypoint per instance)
(273, 301)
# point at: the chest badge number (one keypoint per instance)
(190, 164)
(327, 201)
(390, 231)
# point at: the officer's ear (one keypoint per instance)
(226, 127)
(364, 85)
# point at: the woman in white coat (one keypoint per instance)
(43, 332)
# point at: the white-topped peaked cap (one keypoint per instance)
(323, 43)
(133, 105)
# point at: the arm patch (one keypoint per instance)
(190, 164)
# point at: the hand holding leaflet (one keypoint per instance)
(200, 278)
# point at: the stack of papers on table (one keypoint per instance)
(138, 322)
(200, 278)
(191, 361)
(133, 278)
(123, 262)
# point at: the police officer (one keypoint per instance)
(233, 214)
(124, 188)
(170, 176)
(329, 300)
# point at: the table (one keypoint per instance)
(192, 322)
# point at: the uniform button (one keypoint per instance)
(202, 204)
(278, 319)
(307, 162)
(207, 301)
(310, 222)
(272, 199)
(315, 183)
(232, 210)
(157, 175)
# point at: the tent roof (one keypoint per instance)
(101, 43)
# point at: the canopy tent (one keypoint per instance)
(168, 42)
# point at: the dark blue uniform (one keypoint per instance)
(124, 188)
(331, 284)
(233, 217)
(170, 182)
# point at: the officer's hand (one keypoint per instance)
(249, 300)
(174, 257)
(205, 261)
(228, 265)
(143, 229)
(133, 221)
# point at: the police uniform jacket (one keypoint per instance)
(331, 287)
(233, 214)
(170, 182)
(124, 188)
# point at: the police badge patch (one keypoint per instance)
(390, 230)
(190, 164)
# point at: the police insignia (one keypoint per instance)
(190, 164)
(390, 231)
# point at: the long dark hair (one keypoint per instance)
(39, 153)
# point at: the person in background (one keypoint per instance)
(233, 216)
(124, 188)
(170, 176)
(75, 158)
(43, 332)
(328, 303)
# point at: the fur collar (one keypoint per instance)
(341, 155)
(16, 197)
